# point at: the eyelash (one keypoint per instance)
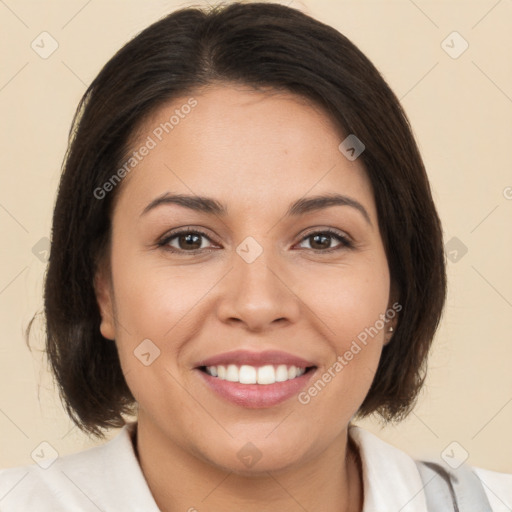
(345, 243)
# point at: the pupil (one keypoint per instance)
(190, 239)
(323, 238)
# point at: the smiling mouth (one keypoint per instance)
(264, 375)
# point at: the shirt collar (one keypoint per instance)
(391, 480)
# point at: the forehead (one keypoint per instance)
(243, 147)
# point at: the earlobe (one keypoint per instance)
(394, 307)
(103, 291)
(388, 335)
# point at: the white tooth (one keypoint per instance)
(221, 372)
(247, 374)
(266, 374)
(292, 372)
(281, 373)
(232, 373)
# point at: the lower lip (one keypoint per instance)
(257, 396)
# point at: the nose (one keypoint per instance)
(258, 294)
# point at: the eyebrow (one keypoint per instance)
(299, 207)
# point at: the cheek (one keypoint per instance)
(153, 299)
(350, 303)
(157, 300)
(348, 298)
(341, 305)
(158, 307)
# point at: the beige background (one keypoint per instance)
(461, 112)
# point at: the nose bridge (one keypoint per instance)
(255, 269)
(256, 293)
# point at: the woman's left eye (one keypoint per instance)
(321, 241)
(192, 241)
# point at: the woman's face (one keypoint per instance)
(262, 290)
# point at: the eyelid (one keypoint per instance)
(320, 229)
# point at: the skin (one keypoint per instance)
(256, 152)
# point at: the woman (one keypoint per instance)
(246, 256)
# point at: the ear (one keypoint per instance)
(104, 298)
(392, 313)
(388, 333)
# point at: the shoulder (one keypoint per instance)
(392, 480)
(96, 478)
(498, 488)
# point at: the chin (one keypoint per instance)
(261, 467)
(256, 458)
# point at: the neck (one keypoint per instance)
(331, 482)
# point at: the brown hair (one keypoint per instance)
(262, 45)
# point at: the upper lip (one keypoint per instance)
(266, 357)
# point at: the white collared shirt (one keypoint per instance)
(108, 478)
